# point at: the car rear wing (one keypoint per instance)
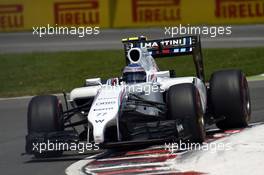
(169, 47)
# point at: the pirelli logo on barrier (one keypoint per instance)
(235, 9)
(155, 11)
(11, 16)
(77, 13)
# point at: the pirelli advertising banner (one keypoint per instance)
(24, 14)
(17, 15)
(140, 13)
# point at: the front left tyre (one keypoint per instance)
(44, 116)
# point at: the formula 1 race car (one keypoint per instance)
(144, 105)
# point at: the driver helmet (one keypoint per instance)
(134, 73)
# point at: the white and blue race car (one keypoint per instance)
(145, 105)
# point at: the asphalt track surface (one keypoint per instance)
(13, 130)
(242, 36)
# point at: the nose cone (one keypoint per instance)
(99, 136)
(104, 111)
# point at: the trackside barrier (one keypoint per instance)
(18, 15)
(141, 13)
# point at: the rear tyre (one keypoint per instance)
(44, 116)
(184, 103)
(229, 95)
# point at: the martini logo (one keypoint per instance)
(11, 16)
(165, 43)
(239, 8)
(156, 10)
(77, 13)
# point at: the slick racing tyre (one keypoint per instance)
(184, 103)
(44, 116)
(229, 96)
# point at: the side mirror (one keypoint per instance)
(172, 74)
(93, 82)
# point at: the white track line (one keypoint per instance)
(15, 98)
(128, 166)
(134, 157)
(72, 43)
(25, 97)
(233, 39)
(76, 168)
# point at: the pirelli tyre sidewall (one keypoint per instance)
(229, 96)
(184, 104)
(44, 116)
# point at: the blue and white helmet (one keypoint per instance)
(134, 73)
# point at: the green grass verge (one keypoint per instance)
(43, 73)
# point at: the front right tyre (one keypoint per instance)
(184, 104)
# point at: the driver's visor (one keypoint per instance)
(134, 77)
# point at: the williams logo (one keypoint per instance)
(11, 16)
(239, 9)
(77, 13)
(99, 121)
(156, 11)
